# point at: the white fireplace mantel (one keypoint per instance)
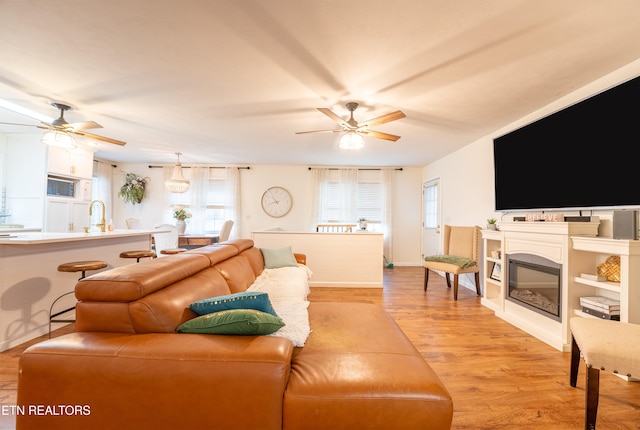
(551, 240)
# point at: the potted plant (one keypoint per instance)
(491, 224)
(362, 223)
(133, 189)
(181, 214)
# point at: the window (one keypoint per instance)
(350, 195)
(211, 198)
(431, 205)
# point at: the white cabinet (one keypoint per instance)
(587, 254)
(66, 215)
(77, 163)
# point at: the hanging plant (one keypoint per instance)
(133, 189)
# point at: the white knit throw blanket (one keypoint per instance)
(288, 288)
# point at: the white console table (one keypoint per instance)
(575, 246)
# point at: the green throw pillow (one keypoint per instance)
(234, 321)
(245, 300)
(279, 257)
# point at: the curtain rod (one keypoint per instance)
(103, 162)
(364, 168)
(210, 167)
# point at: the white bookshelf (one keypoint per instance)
(587, 253)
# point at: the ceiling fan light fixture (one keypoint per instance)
(351, 140)
(177, 183)
(58, 138)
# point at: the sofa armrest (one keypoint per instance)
(157, 380)
(301, 258)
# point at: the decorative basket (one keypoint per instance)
(610, 268)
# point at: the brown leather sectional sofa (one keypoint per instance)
(127, 368)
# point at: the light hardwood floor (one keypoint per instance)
(499, 377)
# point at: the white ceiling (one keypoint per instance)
(230, 81)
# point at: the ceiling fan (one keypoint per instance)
(60, 124)
(353, 127)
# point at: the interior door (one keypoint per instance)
(431, 218)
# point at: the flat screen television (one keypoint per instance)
(586, 156)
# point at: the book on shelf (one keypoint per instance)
(600, 302)
(602, 315)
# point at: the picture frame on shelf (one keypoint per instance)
(496, 272)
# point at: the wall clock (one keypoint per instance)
(276, 202)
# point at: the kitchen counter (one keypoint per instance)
(16, 228)
(30, 238)
(30, 280)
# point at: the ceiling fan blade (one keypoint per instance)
(319, 131)
(83, 125)
(14, 123)
(380, 135)
(333, 116)
(383, 119)
(97, 137)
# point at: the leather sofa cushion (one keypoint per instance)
(166, 309)
(254, 257)
(237, 272)
(215, 253)
(156, 381)
(132, 282)
(357, 359)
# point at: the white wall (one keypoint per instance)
(467, 174)
(298, 180)
(467, 188)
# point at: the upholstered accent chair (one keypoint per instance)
(461, 254)
(605, 345)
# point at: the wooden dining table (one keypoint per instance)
(196, 240)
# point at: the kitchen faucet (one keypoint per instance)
(103, 222)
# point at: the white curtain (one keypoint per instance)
(101, 189)
(199, 187)
(232, 199)
(319, 193)
(334, 195)
(348, 181)
(388, 186)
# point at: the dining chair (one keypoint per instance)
(166, 242)
(335, 228)
(225, 231)
(133, 224)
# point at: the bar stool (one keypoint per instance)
(138, 254)
(74, 266)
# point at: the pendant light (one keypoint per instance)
(177, 183)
